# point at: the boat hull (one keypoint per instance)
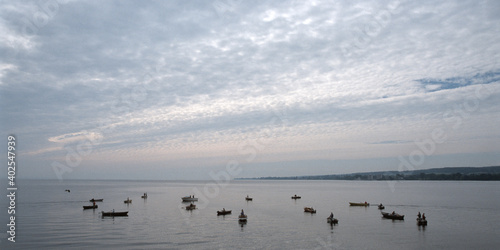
(421, 222)
(189, 199)
(242, 218)
(393, 216)
(96, 200)
(359, 204)
(114, 214)
(223, 212)
(309, 210)
(191, 207)
(90, 207)
(332, 220)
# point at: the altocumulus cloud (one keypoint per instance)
(174, 86)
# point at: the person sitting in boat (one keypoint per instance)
(393, 213)
(419, 215)
(223, 210)
(94, 203)
(423, 216)
(331, 215)
(242, 213)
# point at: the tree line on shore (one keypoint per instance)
(452, 174)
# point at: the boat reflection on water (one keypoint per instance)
(242, 219)
(242, 224)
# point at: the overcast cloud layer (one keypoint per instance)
(177, 89)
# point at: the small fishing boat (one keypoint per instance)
(296, 197)
(242, 217)
(90, 207)
(189, 198)
(113, 213)
(309, 210)
(223, 212)
(67, 190)
(248, 198)
(393, 216)
(127, 201)
(145, 196)
(359, 204)
(421, 222)
(332, 220)
(380, 206)
(191, 207)
(96, 200)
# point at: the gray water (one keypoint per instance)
(461, 215)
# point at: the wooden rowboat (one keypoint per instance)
(393, 216)
(359, 204)
(113, 214)
(90, 207)
(127, 201)
(332, 220)
(191, 207)
(242, 217)
(96, 200)
(309, 210)
(189, 199)
(421, 222)
(223, 212)
(296, 197)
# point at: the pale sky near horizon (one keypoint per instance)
(182, 89)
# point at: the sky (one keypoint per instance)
(178, 90)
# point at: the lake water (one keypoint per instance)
(461, 215)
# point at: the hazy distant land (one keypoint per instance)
(454, 173)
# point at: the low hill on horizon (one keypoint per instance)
(448, 173)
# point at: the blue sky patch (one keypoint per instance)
(434, 84)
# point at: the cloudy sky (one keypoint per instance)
(192, 89)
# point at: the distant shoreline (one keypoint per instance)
(491, 173)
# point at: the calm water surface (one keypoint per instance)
(461, 215)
